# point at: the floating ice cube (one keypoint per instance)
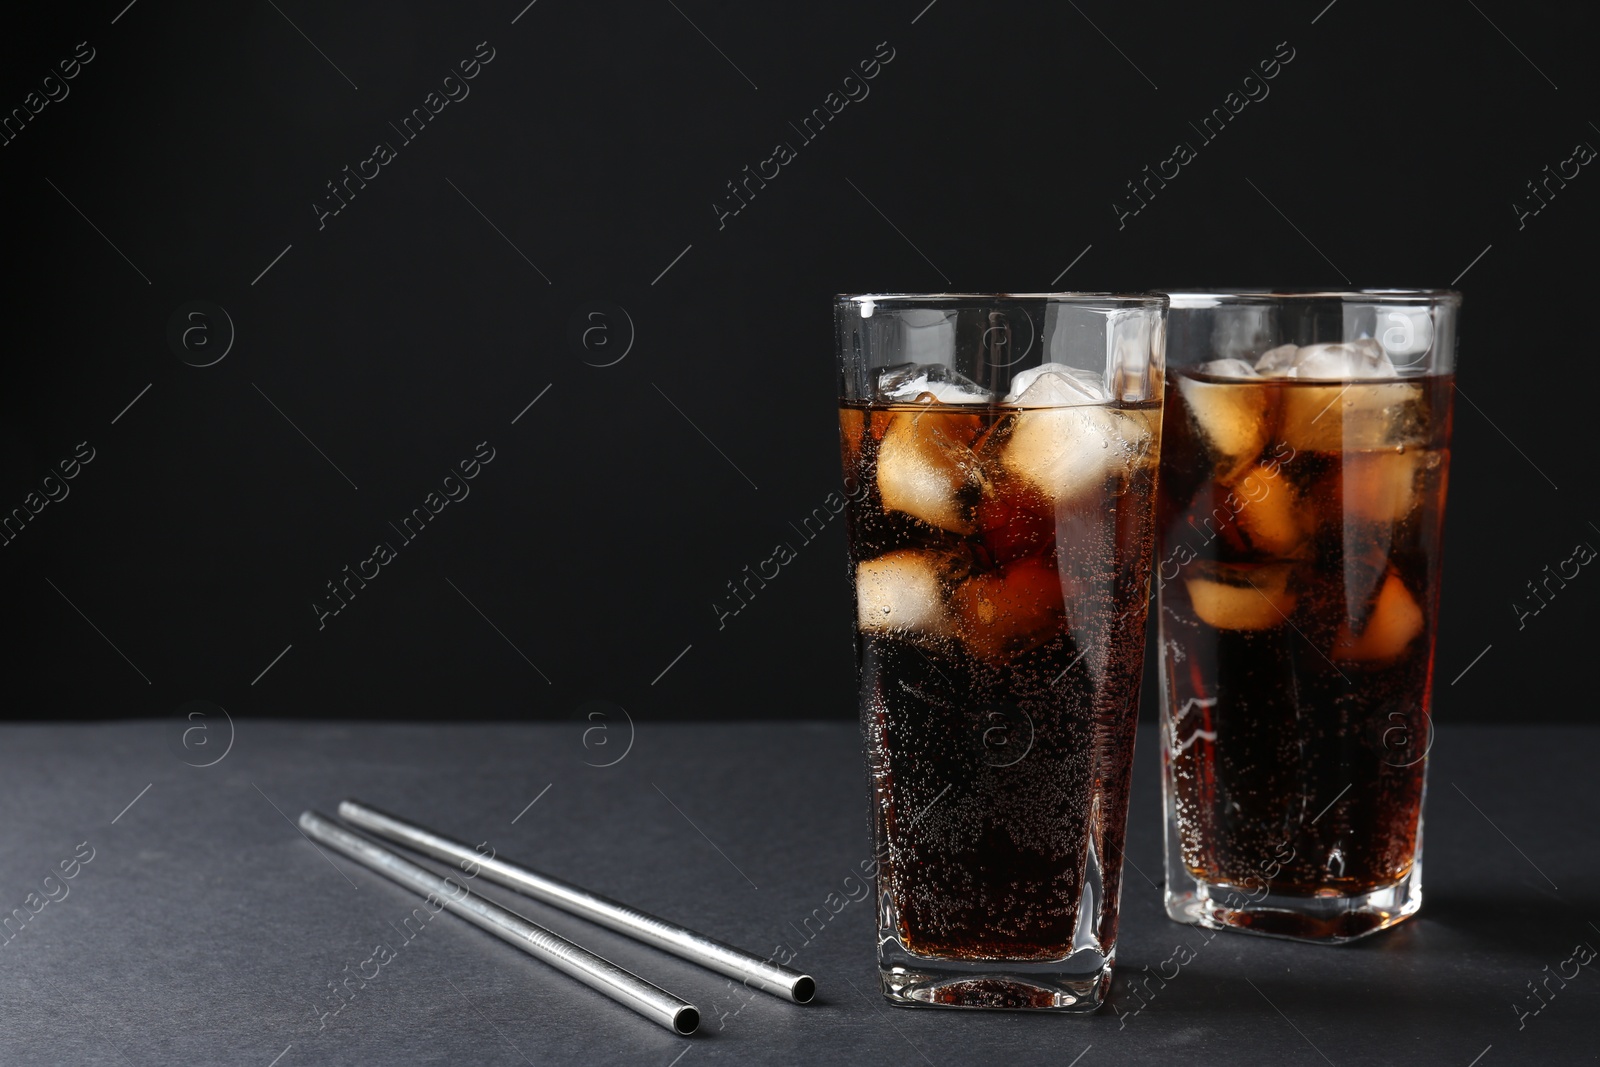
(1328, 362)
(1230, 368)
(1380, 487)
(1053, 385)
(1395, 622)
(1275, 360)
(901, 592)
(1002, 614)
(925, 463)
(1232, 416)
(1276, 524)
(1067, 453)
(1409, 335)
(1062, 444)
(1356, 416)
(1143, 435)
(1377, 492)
(907, 382)
(1242, 598)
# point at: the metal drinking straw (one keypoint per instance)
(754, 971)
(625, 987)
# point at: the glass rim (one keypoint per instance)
(1196, 299)
(1152, 299)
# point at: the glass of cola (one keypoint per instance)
(1000, 458)
(1303, 474)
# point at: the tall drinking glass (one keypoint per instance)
(1000, 457)
(1302, 496)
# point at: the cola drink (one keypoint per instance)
(1300, 533)
(1000, 543)
(1000, 458)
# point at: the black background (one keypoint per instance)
(415, 324)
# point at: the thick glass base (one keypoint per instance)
(1329, 919)
(1078, 983)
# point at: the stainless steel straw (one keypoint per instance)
(678, 940)
(625, 987)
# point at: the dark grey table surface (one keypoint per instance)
(206, 929)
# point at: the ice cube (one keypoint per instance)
(1067, 453)
(1409, 336)
(1380, 486)
(1395, 622)
(1277, 523)
(1003, 614)
(1232, 417)
(909, 382)
(1053, 385)
(1230, 368)
(1235, 597)
(1355, 416)
(901, 592)
(1328, 362)
(1275, 360)
(925, 466)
